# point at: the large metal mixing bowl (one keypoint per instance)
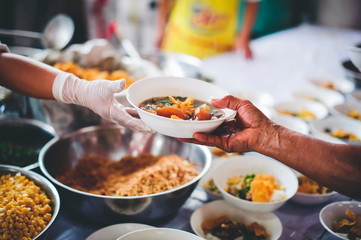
(113, 142)
(44, 185)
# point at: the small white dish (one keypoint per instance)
(292, 123)
(176, 86)
(311, 199)
(214, 209)
(355, 55)
(115, 231)
(319, 110)
(334, 212)
(343, 110)
(335, 84)
(160, 234)
(243, 165)
(327, 97)
(319, 128)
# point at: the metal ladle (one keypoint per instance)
(56, 35)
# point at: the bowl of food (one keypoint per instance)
(337, 130)
(310, 192)
(347, 110)
(119, 175)
(31, 199)
(302, 109)
(342, 219)
(160, 234)
(218, 219)
(335, 84)
(207, 182)
(325, 96)
(176, 106)
(21, 141)
(255, 183)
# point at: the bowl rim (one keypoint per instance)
(205, 150)
(37, 177)
(228, 112)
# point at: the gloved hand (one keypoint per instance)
(98, 95)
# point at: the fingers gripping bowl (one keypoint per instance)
(176, 86)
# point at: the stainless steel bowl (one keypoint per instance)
(45, 185)
(28, 133)
(113, 142)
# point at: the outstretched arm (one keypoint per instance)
(337, 166)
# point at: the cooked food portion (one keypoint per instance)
(183, 108)
(307, 185)
(130, 176)
(211, 186)
(93, 73)
(350, 226)
(255, 188)
(353, 113)
(25, 210)
(14, 154)
(223, 228)
(221, 153)
(304, 114)
(341, 134)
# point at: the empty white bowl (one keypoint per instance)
(336, 84)
(355, 55)
(243, 165)
(160, 234)
(214, 209)
(292, 123)
(318, 129)
(176, 86)
(343, 110)
(319, 110)
(327, 97)
(334, 212)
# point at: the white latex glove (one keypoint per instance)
(98, 95)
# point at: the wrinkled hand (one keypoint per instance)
(98, 95)
(241, 134)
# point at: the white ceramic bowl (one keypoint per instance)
(355, 96)
(318, 109)
(311, 199)
(115, 231)
(176, 86)
(292, 123)
(318, 129)
(339, 84)
(160, 234)
(336, 211)
(214, 209)
(327, 97)
(243, 165)
(342, 110)
(355, 55)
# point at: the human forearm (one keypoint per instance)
(27, 76)
(337, 166)
(249, 19)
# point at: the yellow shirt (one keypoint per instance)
(202, 28)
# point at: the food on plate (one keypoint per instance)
(93, 73)
(221, 153)
(223, 228)
(328, 85)
(182, 108)
(130, 176)
(353, 113)
(211, 186)
(341, 134)
(350, 225)
(307, 185)
(25, 210)
(256, 188)
(14, 154)
(304, 114)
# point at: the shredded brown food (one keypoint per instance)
(24, 208)
(350, 225)
(131, 176)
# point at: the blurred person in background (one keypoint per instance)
(203, 28)
(35, 79)
(336, 166)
